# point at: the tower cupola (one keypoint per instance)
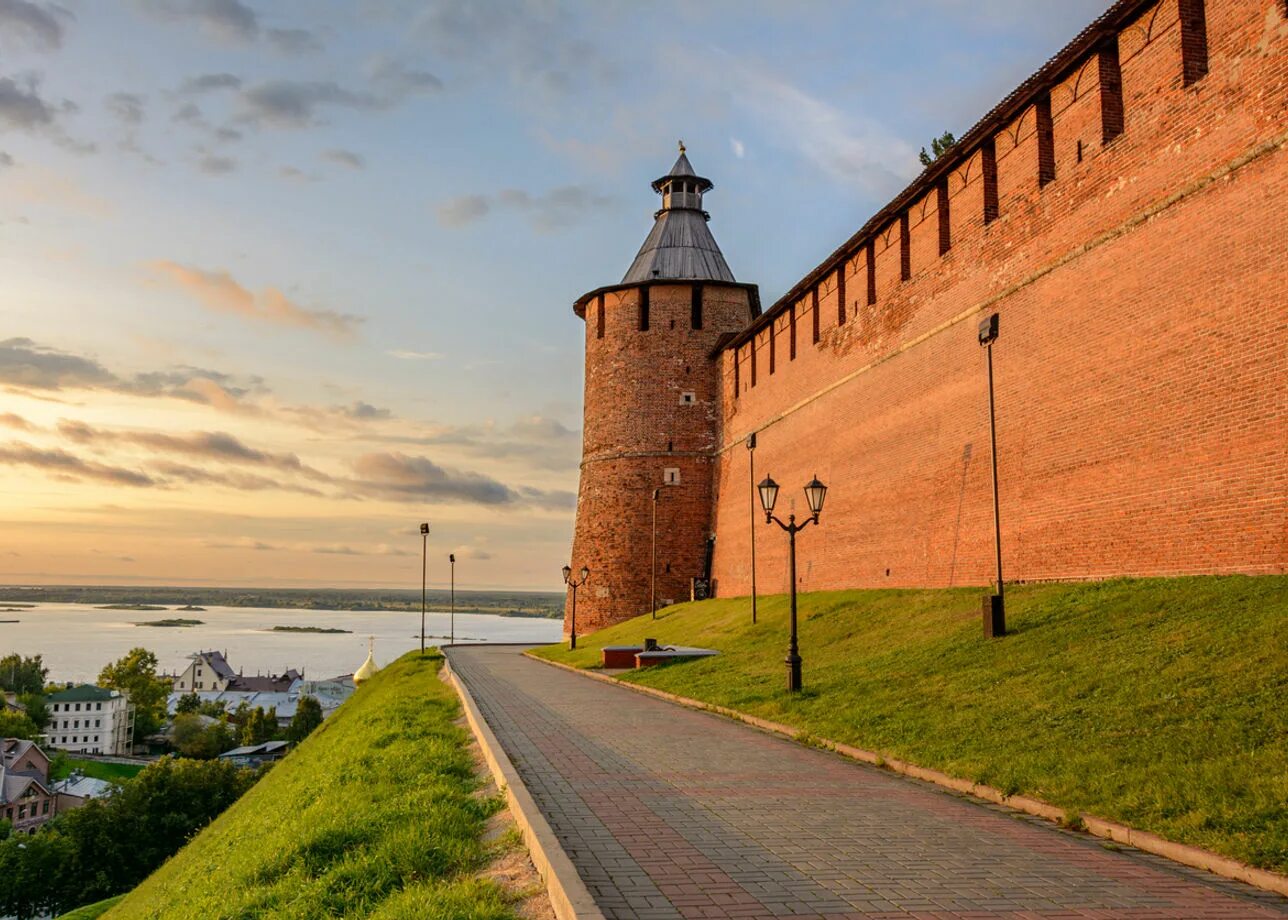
(680, 246)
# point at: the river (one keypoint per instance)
(77, 640)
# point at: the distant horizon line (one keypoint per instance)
(301, 585)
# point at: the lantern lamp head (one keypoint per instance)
(567, 573)
(424, 528)
(768, 495)
(815, 493)
(585, 573)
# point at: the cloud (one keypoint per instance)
(294, 41)
(209, 82)
(21, 106)
(556, 209)
(245, 543)
(220, 292)
(457, 212)
(224, 20)
(13, 420)
(404, 355)
(295, 104)
(364, 411)
(26, 365)
(126, 107)
(399, 476)
(5, 159)
(242, 482)
(64, 465)
(471, 551)
(381, 549)
(399, 80)
(37, 25)
(215, 165)
(848, 148)
(345, 158)
(219, 446)
(538, 441)
(738, 147)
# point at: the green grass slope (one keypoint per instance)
(1161, 703)
(376, 815)
(99, 769)
(92, 911)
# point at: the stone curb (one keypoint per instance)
(568, 893)
(1194, 857)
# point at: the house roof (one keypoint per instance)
(14, 785)
(218, 663)
(83, 693)
(83, 787)
(252, 750)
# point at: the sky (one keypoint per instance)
(279, 281)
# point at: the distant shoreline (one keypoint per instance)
(526, 604)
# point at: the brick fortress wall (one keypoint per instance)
(1128, 225)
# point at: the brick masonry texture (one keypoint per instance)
(1142, 411)
(671, 813)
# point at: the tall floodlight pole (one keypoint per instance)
(751, 465)
(815, 493)
(451, 560)
(652, 591)
(574, 584)
(994, 605)
(424, 545)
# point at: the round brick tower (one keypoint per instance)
(652, 416)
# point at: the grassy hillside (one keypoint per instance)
(98, 769)
(375, 815)
(1161, 703)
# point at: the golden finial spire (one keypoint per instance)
(681, 146)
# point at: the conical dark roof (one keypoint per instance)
(680, 245)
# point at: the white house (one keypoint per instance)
(90, 720)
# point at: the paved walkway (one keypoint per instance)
(671, 813)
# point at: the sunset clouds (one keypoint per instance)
(219, 291)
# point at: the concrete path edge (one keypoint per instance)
(1192, 856)
(569, 895)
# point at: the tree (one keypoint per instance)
(189, 702)
(939, 146)
(37, 708)
(18, 725)
(260, 726)
(108, 846)
(199, 739)
(136, 674)
(308, 716)
(22, 675)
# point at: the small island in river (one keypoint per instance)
(190, 608)
(148, 607)
(176, 621)
(308, 629)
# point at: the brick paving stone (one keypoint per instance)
(671, 813)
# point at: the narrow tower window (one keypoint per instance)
(695, 307)
(752, 348)
(599, 317)
(643, 309)
(1111, 91)
(791, 337)
(988, 159)
(1194, 50)
(872, 272)
(1046, 141)
(945, 225)
(772, 324)
(840, 294)
(737, 373)
(905, 247)
(814, 305)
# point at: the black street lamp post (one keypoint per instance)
(652, 590)
(815, 493)
(995, 604)
(751, 466)
(451, 560)
(574, 584)
(424, 538)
